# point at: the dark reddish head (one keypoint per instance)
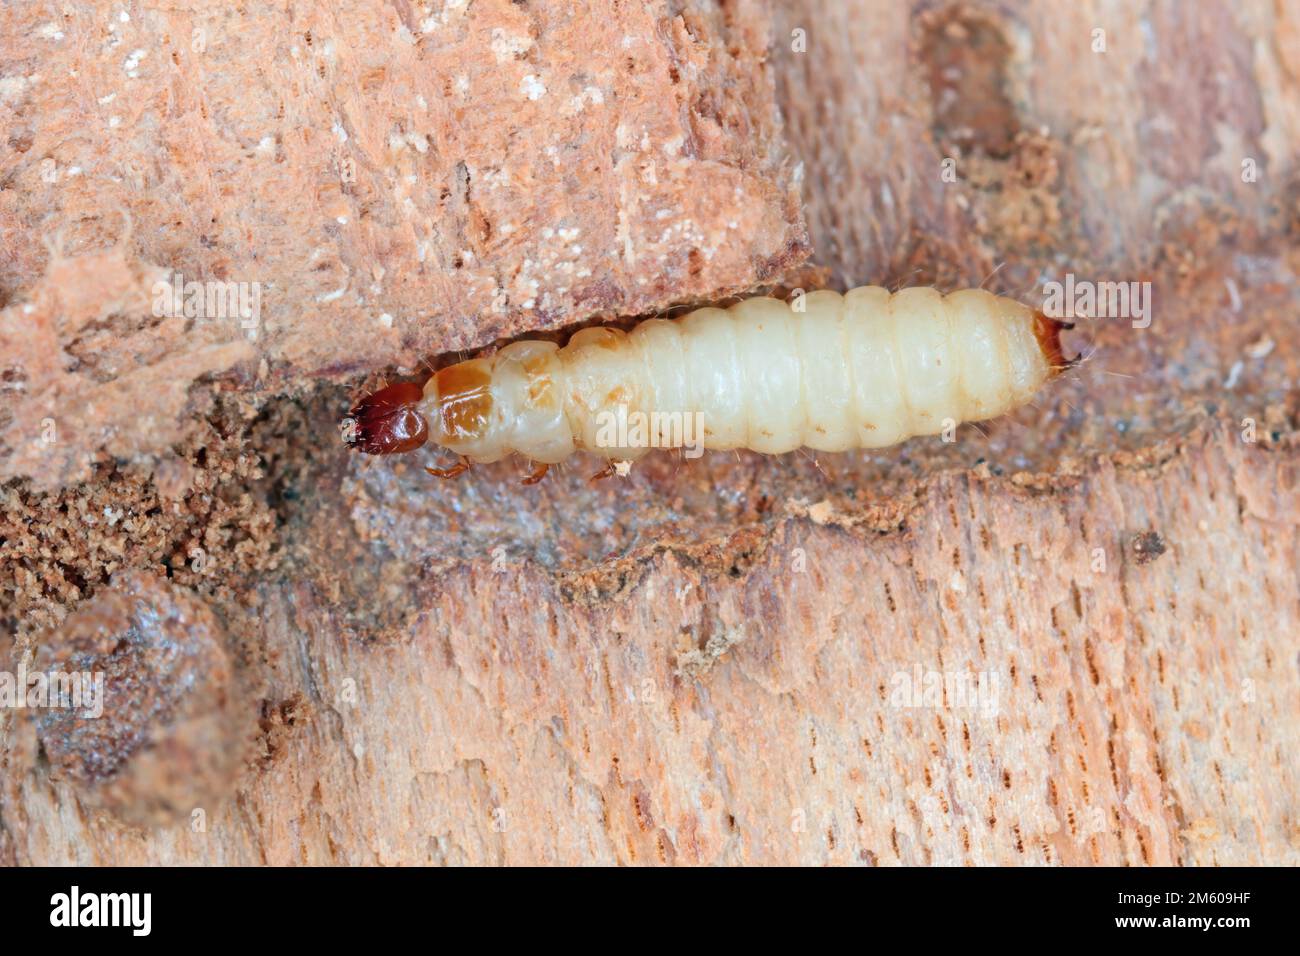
(388, 421)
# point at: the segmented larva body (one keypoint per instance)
(836, 372)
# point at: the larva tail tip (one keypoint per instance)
(387, 422)
(1048, 333)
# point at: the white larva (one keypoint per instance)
(860, 370)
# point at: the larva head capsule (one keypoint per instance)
(388, 421)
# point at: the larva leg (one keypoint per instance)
(537, 475)
(606, 472)
(455, 471)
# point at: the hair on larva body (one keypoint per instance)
(831, 373)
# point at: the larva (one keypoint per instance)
(861, 370)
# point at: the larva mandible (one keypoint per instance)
(860, 370)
